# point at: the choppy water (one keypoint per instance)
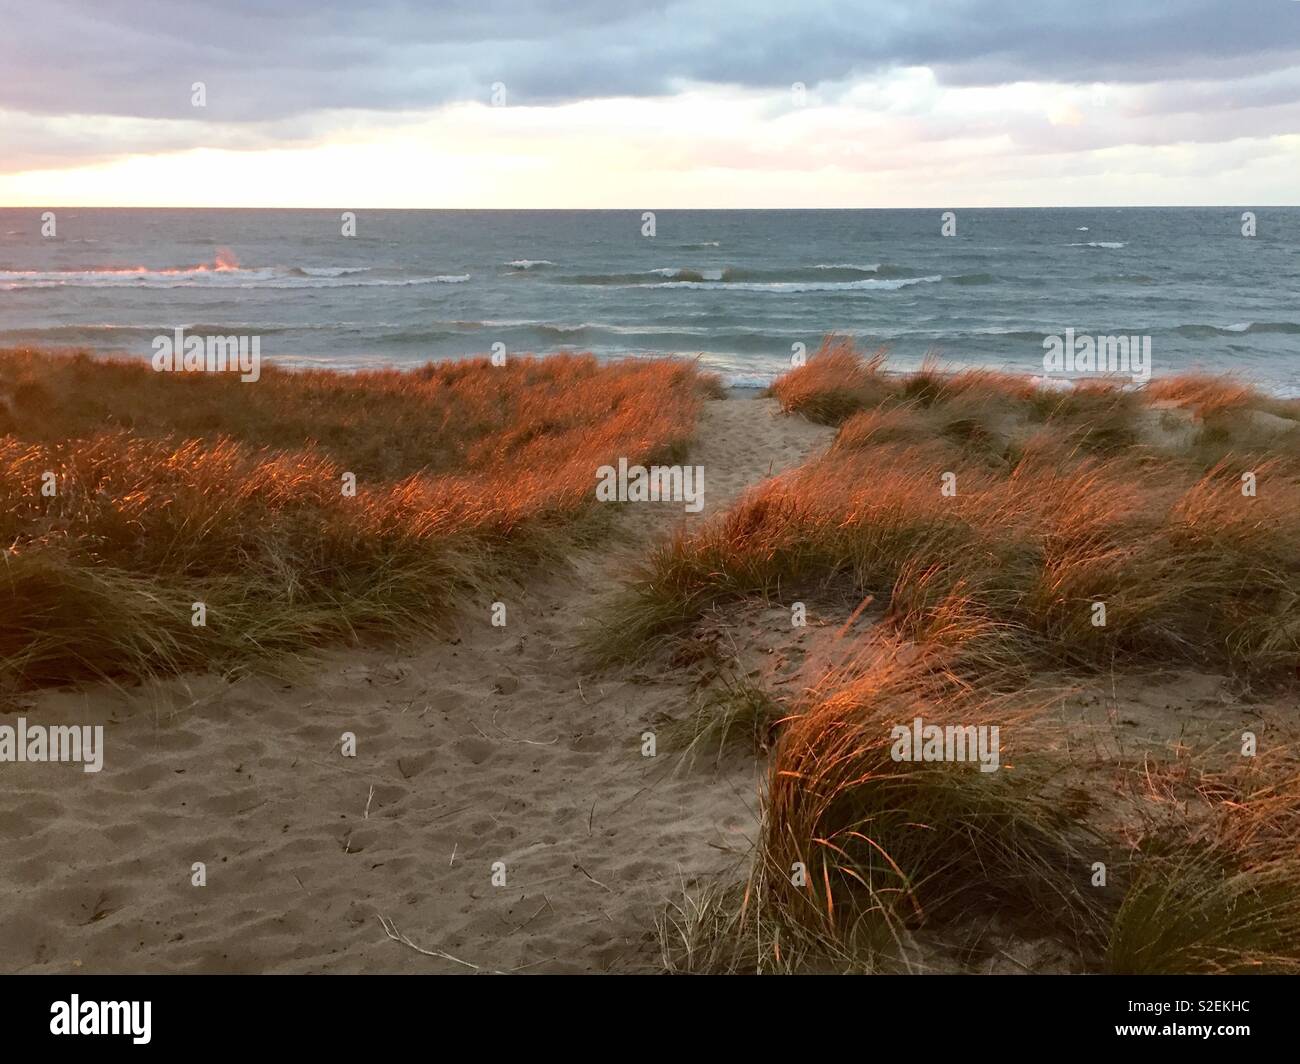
(738, 287)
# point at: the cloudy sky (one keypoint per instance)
(601, 103)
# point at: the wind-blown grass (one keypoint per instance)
(1024, 539)
(1214, 882)
(906, 842)
(170, 490)
(992, 517)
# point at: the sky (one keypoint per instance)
(652, 104)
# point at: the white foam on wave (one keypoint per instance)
(1100, 244)
(866, 284)
(748, 380)
(1052, 384)
(208, 277)
(687, 274)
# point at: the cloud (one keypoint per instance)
(138, 58)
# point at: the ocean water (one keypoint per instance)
(737, 288)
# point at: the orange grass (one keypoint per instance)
(1213, 885)
(867, 863)
(1040, 528)
(1204, 392)
(1063, 500)
(1100, 415)
(176, 489)
(833, 383)
(905, 842)
(1186, 568)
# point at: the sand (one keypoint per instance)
(489, 747)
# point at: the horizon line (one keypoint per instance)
(619, 210)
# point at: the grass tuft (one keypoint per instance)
(126, 496)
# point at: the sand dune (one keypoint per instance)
(485, 748)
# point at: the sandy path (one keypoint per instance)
(487, 749)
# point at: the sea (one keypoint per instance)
(1216, 289)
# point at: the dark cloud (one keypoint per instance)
(264, 62)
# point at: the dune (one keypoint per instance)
(622, 775)
(489, 746)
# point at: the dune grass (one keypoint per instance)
(903, 843)
(127, 496)
(1195, 912)
(1185, 568)
(738, 713)
(1024, 538)
(1013, 533)
(867, 863)
(838, 380)
(1213, 885)
(835, 383)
